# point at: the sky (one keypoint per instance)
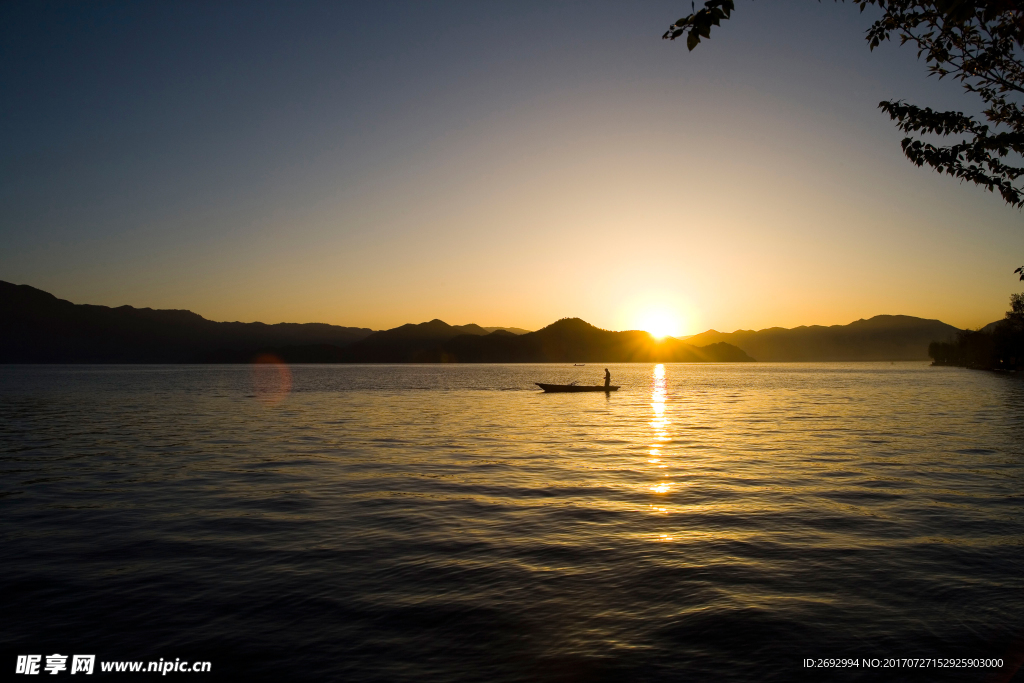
(498, 163)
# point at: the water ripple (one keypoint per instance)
(447, 523)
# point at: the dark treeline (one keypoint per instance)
(999, 346)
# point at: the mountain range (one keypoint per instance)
(40, 328)
(881, 338)
(37, 327)
(565, 341)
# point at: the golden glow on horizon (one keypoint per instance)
(663, 311)
(660, 323)
(371, 254)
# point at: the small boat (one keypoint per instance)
(555, 388)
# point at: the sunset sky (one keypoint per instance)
(503, 163)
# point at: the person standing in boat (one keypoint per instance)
(607, 377)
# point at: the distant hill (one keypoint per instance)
(991, 327)
(881, 338)
(513, 330)
(406, 343)
(37, 327)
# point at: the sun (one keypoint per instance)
(661, 323)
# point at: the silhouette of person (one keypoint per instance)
(607, 377)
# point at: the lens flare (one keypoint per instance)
(271, 379)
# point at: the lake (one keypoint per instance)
(452, 523)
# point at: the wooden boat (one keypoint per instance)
(571, 388)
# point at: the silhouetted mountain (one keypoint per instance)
(573, 340)
(568, 340)
(512, 330)
(411, 343)
(881, 338)
(37, 327)
(406, 343)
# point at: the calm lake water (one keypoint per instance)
(451, 523)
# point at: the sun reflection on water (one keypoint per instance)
(659, 424)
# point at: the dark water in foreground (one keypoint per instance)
(449, 523)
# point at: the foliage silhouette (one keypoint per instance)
(976, 42)
(1002, 348)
